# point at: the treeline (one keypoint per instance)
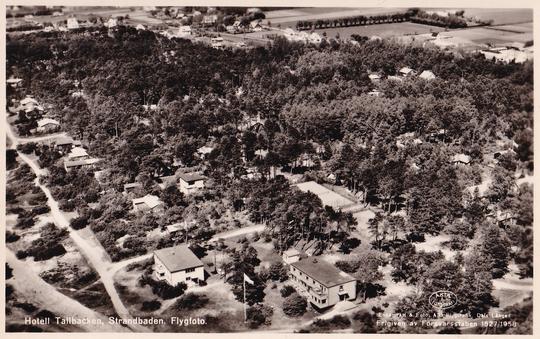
(310, 98)
(434, 19)
(414, 15)
(359, 20)
(24, 27)
(37, 11)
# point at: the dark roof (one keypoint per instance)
(64, 141)
(190, 177)
(178, 258)
(75, 163)
(132, 185)
(322, 271)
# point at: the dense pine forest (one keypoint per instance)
(394, 151)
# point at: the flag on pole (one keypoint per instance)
(247, 279)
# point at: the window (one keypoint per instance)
(341, 288)
(323, 301)
(190, 270)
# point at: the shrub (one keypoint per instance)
(27, 148)
(286, 291)
(149, 306)
(191, 301)
(162, 288)
(12, 236)
(9, 272)
(45, 314)
(278, 272)
(79, 222)
(294, 305)
(27, 307)
(25, 222)
(327, 325)
(21, 254)
(349, 244)
(258, 315)
(365, 322)
(41, 210)
(48, 245)
(67, 205)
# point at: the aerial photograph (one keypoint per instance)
(268, 169)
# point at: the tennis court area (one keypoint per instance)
(328, 197)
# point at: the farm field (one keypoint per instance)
(482, 35)
(382, 30)
(500, 16)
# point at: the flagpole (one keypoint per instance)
(245, 310)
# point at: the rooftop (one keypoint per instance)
(75, 163)
(323, 272)
(46, 121)
(64, 141)
(28, 100)
(292, 252)
(205, 149)
(178, 258)
(150, 200)
(190, 177)
(77, 152)
(427, 75)
(132, 185)
(406, 70)
(13, 80)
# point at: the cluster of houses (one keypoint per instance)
(187, 183)
(33, 110)
(323, 284)
(238, 27)
(312, 38)
(402, 73)
(75, 156)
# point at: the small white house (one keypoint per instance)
(427, 75)
(147, 203)
(190, 182)
(47, 125)
(140, 27)
(72, 23)
(14, 82)
(314, 38)
(177, 264)
(374, 77)
(406, 71)
(79, 164)
(209, 19)
(256, 26)
(217, 42)
(130, 187)
(78, 153)
(290, 256)
(113, 22)
(184, 30)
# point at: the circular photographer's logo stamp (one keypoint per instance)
(442, 299)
